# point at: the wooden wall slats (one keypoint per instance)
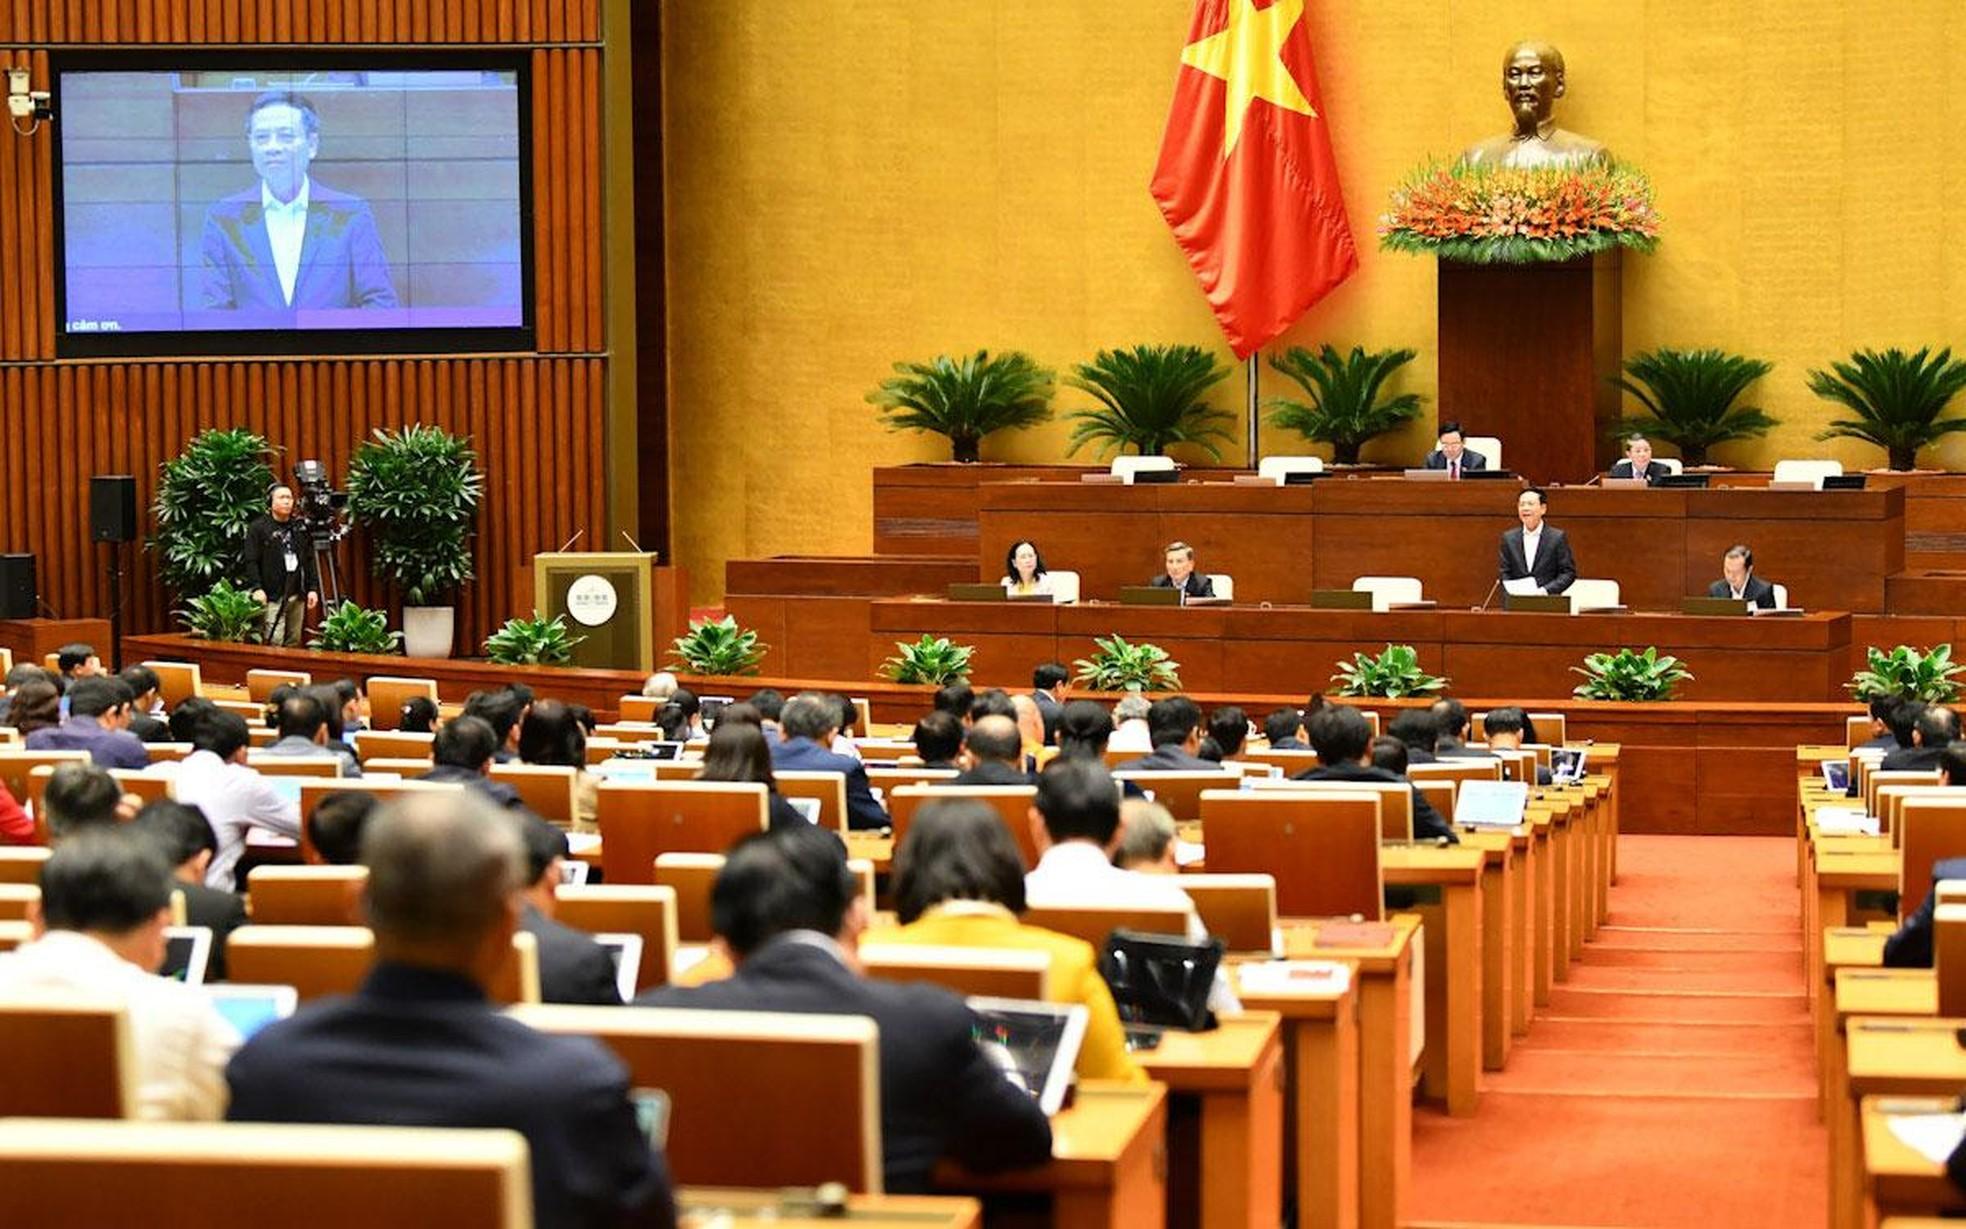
(303, 21)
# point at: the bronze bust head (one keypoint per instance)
(1532, 81)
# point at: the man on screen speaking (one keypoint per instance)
(290, 242)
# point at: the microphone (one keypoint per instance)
(1491, 594)
(633, 543)
(1594, 478)
(570, 541)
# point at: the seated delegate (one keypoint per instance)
(1024, 572)
(1738, 581)
(1638, 462)
(1452, 454)
(1179, 561)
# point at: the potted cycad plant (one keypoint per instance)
(1898, 399)
(1690, 399)
(207, 495)
(416, 492)
(966, 398)
(1344, 410)
(1150, 398)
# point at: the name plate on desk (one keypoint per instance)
(1624, 484)
(1536, 603)
(1341, 599)
(1713, 606)
(960, 592)
(1149, 595)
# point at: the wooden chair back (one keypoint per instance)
(177, 681)
(640, 821)
(1012, 803)
(1856, 730)
(307, 895)
(19, 901)
(326, 764)
(1890, 802)
(1322, 848)
(312, 791)
(78, 1175)
(1439, 795)
(1485, 769)
(259, 737)
(545, 789)
(1518, 765)
(828, 788)
(66, 1057)
(690, 876)
(22, 863)
(261, 684)
(1095, 923)
(1395, 800)
(751, 1085)
(1180, 792)
(323, 960)
(167, 753)
(387, 695)
(254, 715)
(394, 744)
(886, 779)
(1003, 973)
(17, 768)
(638, 708)
(648, 910)
(1949, 957)
(1880, 778)
(1290, 762)
(1240, 910)
(1930, 829)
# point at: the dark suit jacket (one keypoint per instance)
(781, 811)
(149, 729)
(1470, 459)
(1909, 759)
(993, 772)
(1911, 946)
(1885, 741)
(1555, 567)
(341, 259)
(1198, 584)
(1048, 710)
(1169, 757)
(805, 755)
(939, 1095)
(1759, 592)
(418, 1047)
(107, 748)
(1290, 744)
(572, 967)
(221, 912)
(500, 793)
(1427, 823)
(1654, 471)
(1419, 755)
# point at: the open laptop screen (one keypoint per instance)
(1035, 1044)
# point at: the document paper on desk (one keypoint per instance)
(1522, 586)
(1845, 821)
(1932, 1136)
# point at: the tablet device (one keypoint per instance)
(249, 1008)
(1035, 1045)
(634, 771)
(808, 807)
(1836, 775)
(660, 749)
(710, 708)
(626, 952)
(287, 787)
(187, 950)
(1566, 765)
(1490, 804)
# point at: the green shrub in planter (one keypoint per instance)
(719, 647)
(350, 629)
(1630, 675)
(1392, 674)
(532, 642)
(935, 660)
(207, 495)
(1116, 665)
(225, 613)
(1907, 674)
(415, 492)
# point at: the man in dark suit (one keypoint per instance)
(1048, 690)
(1343, 739)
(938, 739)
(993, 750)
(809, 723)
(1506, 729)
(143, 684)
(288, 243)
(1638, 462)
(1284, 728)
(1738, 581)
(791, 914)
(1179, 560)
(572, 967)
(1174, 725)
(1534, 549)
(98, 712)
(420, 1044)
(1935, 727)
(1451, 721)
(189, 845)
(1452, 454)
(1416, 728)
(462, 752)
(1881, 735)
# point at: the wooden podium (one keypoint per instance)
(625, 607)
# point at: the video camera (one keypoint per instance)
(317, 505)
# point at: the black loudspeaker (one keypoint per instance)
(18, 597)
(113, 508)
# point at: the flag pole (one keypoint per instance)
(1254, 357)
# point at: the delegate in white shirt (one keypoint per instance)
(286, 228)
(181, 1043)
(235, 799)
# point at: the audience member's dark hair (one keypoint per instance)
(1079, 801)
(957, 849)
(96, 695)
(499, 710)
(937, 737)
(302, 716)
(808, 716)
(1506, 720)
(584, 718)
(220, 732)
(1171, 720)
(954, 699)
(848, 713)
(1389, 753)
(790, 878)
(337, 822)
(1339, 734)
(184, 719)
(79, 796)
(111, 882)
(549, 735)
(466, 742)
(274, 699)
(768, 702)
(418, 715)
(685, 699)
(36, 706)
(1208, 749)
(1229, 727)
(1047, 676)
(1451, 716)
(1904, 717)
(738, 752)
(1415, 727)
(992, 702)
(26, 673)
(1084, 727)
(673, 722)
(1937, 726)
(1880, 708)
(70, 656)
(141, 680)
(1952, 762)
(348, 689)
(992, 739)
(544, 843)
(1282, 723)
(326, 695)
(181, 832)
(742, 714)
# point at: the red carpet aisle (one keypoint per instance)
(1671, 1080)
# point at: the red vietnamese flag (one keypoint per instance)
(1246, 178)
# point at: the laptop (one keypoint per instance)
(187, 950)
(1035, 1045)
(1149, 595)
(249, 1008)
(1712, 606)
(1836, 775)
(807, 807)
(1145, 477)
(1566, 765)
(660, 749)
(1491, 804)
(1488, 475)
(625, 950)
(711, 709)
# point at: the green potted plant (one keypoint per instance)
(416, 492)
(717, 647)
(532, 642)
(224, 612)
(1897, 398)
(966, 398)
(206, 497)
(348, 628)
(935, 660)
(1344, 409)
(1630, 675)
(1907, 674)
(1150, 397)
(1690, 397)
(1116, 665)
(1393, 674)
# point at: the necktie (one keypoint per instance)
(1453, 471)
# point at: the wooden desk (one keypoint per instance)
(1887, 1058)
(1856, 948)
(1867, 994)
(1502, 989)
(1108, 1159)
(1455, 965)
(705, 1207)
(1231, 1080)
(1897, 1179)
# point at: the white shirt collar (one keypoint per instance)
(297, 206)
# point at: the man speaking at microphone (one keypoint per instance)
(1536, 557)
(278, 564)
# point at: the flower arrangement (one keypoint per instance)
(1506, 215)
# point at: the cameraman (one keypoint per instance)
(278, 563)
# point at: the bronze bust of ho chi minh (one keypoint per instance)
(1532, 81)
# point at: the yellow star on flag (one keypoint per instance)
(1248, 55)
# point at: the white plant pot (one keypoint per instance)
(429, 630)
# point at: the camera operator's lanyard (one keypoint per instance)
(292, 558)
